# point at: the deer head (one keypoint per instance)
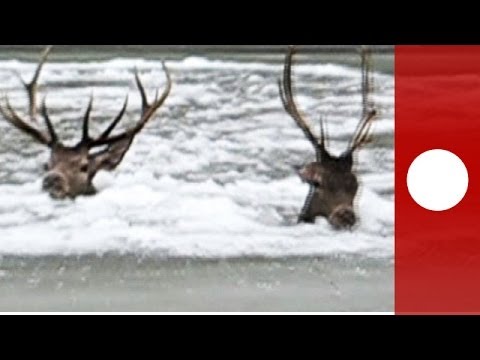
(70, 170)
(333, 183)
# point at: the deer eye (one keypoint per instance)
(46, 167)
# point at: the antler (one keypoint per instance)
(32, 86)
(148, 111)
(362, 133)
(288, 100)
(7, 111)
(50, 138)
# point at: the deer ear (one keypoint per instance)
(112, 156)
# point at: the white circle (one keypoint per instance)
(438, 180)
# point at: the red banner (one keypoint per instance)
(437, 107)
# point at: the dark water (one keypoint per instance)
(222, 157)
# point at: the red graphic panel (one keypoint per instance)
(437, 107)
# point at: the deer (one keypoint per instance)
(70, 170)
(333, 183)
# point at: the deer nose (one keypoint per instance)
(343, 217)
(56, 185)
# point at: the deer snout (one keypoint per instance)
(56, 185)
(343, 218)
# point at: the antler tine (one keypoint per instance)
(158, 103)
(115, 122)
(86, 123)
(365, 80)
(143, 94)
(323, 133)
(11, 116)
(48, 122)
(32, 86)
(368, 111)
(361, 137)
(288, 100)
(148, 111)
